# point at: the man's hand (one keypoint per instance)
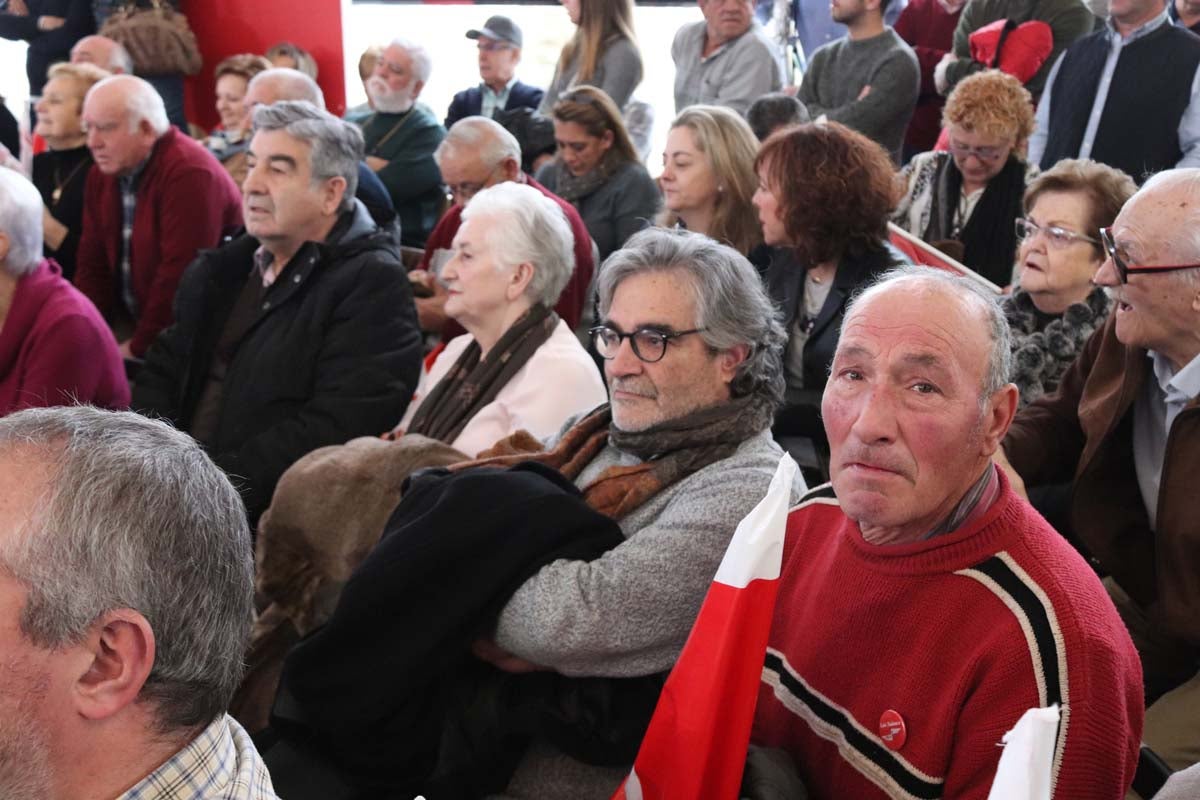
(866, 90)
(18, 8)
(376, 163)
(124, 349)
(1014, 479)
(50, 23)
(431, 311)
(940, 81)
(489, 651)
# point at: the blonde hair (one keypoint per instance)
(730, 146)
(85, 76)
(599, 22)
(993, 103)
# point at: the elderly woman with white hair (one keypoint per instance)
(55, 348)
(518, 366)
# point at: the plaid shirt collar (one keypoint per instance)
(219, 764)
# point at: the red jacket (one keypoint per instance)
(957, 637)
(55, 349)
(570, 302)
(185, 202)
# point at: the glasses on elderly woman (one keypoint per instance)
(990, 153)
(1056, 236)
(1125, 269)
(649, 344)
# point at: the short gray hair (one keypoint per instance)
(141, 101)
(999, 364)
(481, 135)
(528, 227)
(422, 62)
(337, 145)
(120, 59)
(21, 219)
(136, 517)
(292, 85)
(731, 304)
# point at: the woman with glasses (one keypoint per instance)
(964, 200)
(824, 194)
(597, 169)
(708, 177)
(518, 366)
(602, 53)
(1055, 307)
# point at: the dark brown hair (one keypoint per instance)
(594, 111)
(834, 187)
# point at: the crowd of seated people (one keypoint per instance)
(604, 370)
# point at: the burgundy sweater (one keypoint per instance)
(959, 635)
(929, 30)
(185, 202)
(55, 349)
(570, 302)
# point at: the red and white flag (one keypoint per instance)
(695, 746)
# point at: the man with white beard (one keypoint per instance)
(401, 137)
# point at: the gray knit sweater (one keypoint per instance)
(840, 70)
(629, 612)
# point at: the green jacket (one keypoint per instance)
(407, 141)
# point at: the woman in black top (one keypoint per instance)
(60, 173)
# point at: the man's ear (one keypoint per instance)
(5, 245)
(729, 360)
(334, 191)
(119, 654)
(511, 168)
(417, 87)
(1001, 409)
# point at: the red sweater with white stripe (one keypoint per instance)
(959, 635)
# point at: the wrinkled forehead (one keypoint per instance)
(1154, 222)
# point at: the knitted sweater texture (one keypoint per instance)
(959, 635)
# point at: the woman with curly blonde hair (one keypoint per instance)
(965, 200)
(708, 177)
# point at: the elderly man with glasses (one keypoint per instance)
(1125, 427)
(499, 43)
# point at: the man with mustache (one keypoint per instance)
(1125, 427)
(725, 60)
(299, 334)
(400, 138)
(693, 358)
(923, 605)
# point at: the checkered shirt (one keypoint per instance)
(219, 764)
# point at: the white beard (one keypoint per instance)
(388, 100)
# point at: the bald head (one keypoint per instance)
(477, 153)
(281, 83)
(104, 53)
(123, 116)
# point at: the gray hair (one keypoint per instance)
(291, 84)
(136, 517)
(1184, 243)
(528, 227)
(337, 145)
(999, 364)
(119, 59)
(731, 304)
(422, 62)
(21, 219)
(480, 135)
(140, 100)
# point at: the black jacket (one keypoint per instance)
(333, 353)
(785, 284)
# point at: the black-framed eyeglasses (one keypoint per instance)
(1125, 269)
(649, 344)
(1056, 236)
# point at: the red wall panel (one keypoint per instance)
(226, 27)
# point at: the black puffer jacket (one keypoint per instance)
(333, 353)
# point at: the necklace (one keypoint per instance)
(56, 195)
(403, 121)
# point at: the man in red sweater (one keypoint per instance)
(154, 198)
(478, 153)
(923, 606)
